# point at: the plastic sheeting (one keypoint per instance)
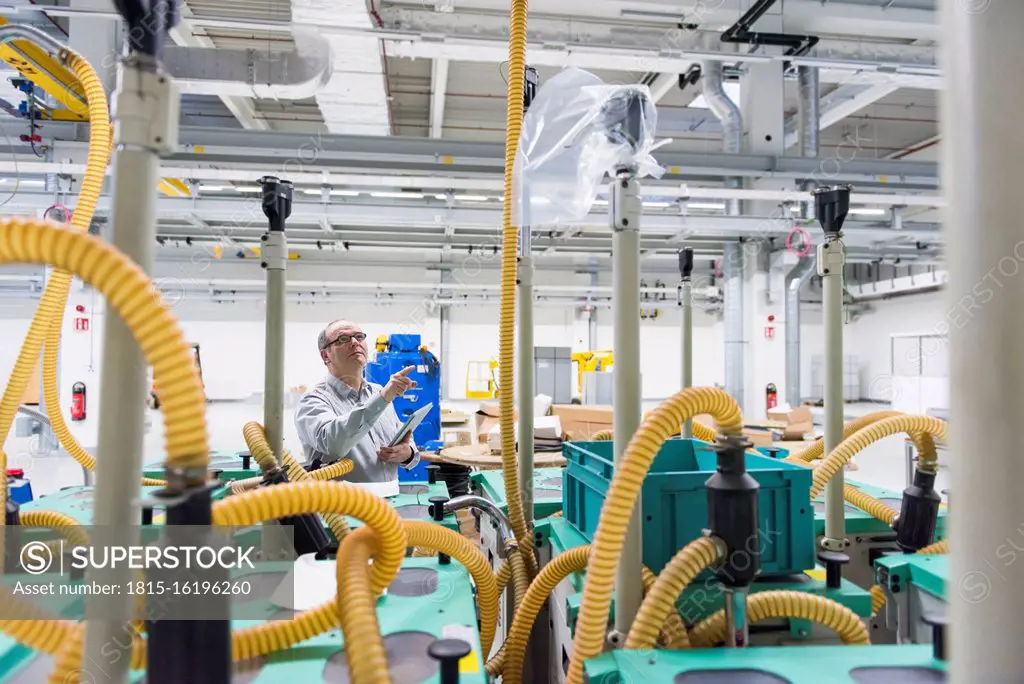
(578, 130)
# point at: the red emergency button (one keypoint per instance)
(16, 472)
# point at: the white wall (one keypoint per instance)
(871, 337)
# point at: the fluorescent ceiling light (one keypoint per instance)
(309, 191)
(865, 211)
(603, 203)
(705, 205)
(657, 204)
(732, 89)
(441, 197)
(247, 188)
(346, 193)
(398, 195)
(31, 182)
(472, 198)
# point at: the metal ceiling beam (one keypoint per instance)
(844, 101)
(184, 33)
(438, 90)
(291, 153)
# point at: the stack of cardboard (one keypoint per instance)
(797, 424)
(580, 423)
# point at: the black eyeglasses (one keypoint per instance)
(345, 339)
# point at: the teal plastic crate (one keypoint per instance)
(674, 501)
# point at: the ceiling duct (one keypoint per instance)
(354, 100)
(248, 73)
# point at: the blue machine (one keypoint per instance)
(402, 351)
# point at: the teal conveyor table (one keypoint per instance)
(775, 665)
(426, 602)
(547, 490)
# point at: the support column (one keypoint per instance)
(446, 336)
(982, 51)
(763, 107)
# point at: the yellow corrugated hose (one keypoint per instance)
(509, 248)
(700, 431)
(65, 525)
(451, 543)
(660, 601)
(520, 585)
(256, 440)
(357, 610)
(869, 504)
(842, 454)
(817, 448)
(132, 295)
(621, 498)
(787, 604)
(537, 594)
(54, 299)
(383, 524)
(877, 598)
(673, 632)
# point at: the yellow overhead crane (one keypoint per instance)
(56, 80)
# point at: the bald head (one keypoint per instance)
(342, 346)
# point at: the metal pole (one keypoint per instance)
(980, 154)
(524, 361)
(277, 201)
(625, 218)
(445, 315)
(145, 114)
(525, 365)
(686, 304)
(832, 205)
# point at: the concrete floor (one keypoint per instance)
(881, 464)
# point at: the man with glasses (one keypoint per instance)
(345, 416)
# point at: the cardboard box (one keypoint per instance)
(799, 421)
(456, 437)
(485, 418)
(758, 437)
(544, 428)
(580, 423)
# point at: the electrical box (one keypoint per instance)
(599, 387)
(552, 373)
(402, 351)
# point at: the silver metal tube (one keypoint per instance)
(686, 300)
(809, 123)
(737, 621)
(525, 379)
(735, 345)
(591, 333)
(123, 377)
(275, 256)
(730, 117)
(830, 268)
(445, 316)
(795, 280)
(983, 52)
(42, 39)
(471, 501)
(625, 222)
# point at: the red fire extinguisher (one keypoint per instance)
(78, 401)
(772, 395)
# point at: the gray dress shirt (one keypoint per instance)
(335, 421)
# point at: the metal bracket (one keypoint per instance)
(146, 108)
(831, 258)
(626, 205)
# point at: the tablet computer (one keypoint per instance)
(412, 423)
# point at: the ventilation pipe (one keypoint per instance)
(247, 73)
(809, 124)
(728, 114)
(795, 280)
